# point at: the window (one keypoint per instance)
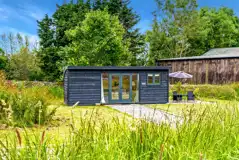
(150, 78)
(154, 79)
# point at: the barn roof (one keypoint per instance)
(217, 53)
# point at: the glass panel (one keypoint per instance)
(150, 78)
(135, 91)
(157, 78)
(106, 86)
(125, 87)
(115, 87)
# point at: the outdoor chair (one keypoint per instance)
(190, 96)
(175, 96)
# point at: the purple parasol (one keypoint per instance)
(180, 74)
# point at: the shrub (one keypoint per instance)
(222, 92)
(5, 113)
(57, 92)
(26, 110)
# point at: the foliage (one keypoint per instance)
(221, 92)
(3, 60)
(54, 40)
(22, 106)
(57, 92)
(102, 37)
(24, 66)
(49, 65)
(209, 133)
(183, 30)
(13, 42)
(26, 110)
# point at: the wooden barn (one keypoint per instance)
(110, 85)
(217, 66)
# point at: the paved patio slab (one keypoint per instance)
(149, 114)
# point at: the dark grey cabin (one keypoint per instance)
(116, 85)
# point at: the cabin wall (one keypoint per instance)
(84, 87)
(207, 71)
(66, 87)
(150, 94)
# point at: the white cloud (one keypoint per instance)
(32, 11)
(4, 13)
(27, 12)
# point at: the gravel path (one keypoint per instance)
(149, 114)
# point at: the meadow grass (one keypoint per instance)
(102, 133)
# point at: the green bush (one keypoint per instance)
(221, 92)
(26, 110)
(57, 92)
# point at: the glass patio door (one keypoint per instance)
(120, 88)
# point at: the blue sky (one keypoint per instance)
(21, 15)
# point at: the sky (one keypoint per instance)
(20, 16)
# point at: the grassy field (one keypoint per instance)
(209, 130)
(67, 118)
(182, 109)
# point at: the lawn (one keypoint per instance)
(182, 109)
(68, 117)
(209, 131)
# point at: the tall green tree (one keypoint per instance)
(3, 60)
(46, 32)
(184, 30)
(129, 19)
(219, 29)
(72, 14)
(48, 52)
(97, 42)
(66, 17)
(24, 66)
(168, 35)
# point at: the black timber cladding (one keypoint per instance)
(154, 93)
(84, 84)
(66, 86)
(84, 87)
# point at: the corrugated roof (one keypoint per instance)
(217, 53)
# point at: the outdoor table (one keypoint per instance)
(180, 96)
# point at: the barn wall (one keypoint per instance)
(211, 71)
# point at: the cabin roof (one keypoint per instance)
(114, 68)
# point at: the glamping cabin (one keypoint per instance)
(116, 85)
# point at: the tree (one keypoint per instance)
(24, 66)
(219, 29)
(66, 17)
(72, 14)
(169, 37)
(19, 40)
(3, 60)
(129, 19)
(98, 41)
(45, 32)
(49, 63)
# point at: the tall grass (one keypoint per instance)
(211, 133)
(21, 106)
